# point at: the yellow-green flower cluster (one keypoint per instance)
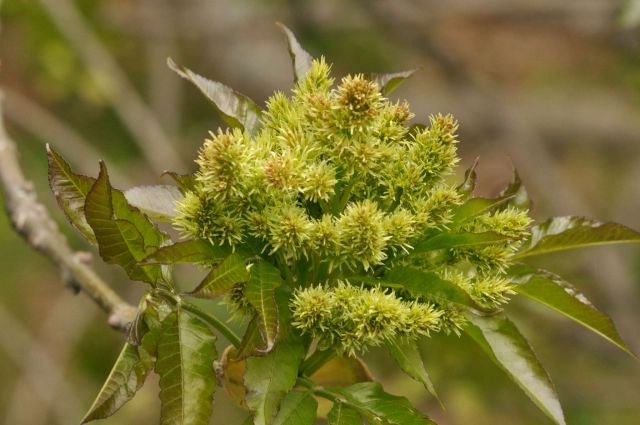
(333, 171)
(336, 183)
(350, 318)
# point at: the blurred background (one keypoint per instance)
(551, 86)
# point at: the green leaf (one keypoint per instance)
(475, 206)
(186, 351)
(506, 346)
(554, 292)
(300, 58)
(263, 280)
(389, 82)
(222, 278)
(340, 414)
(468, 185)
(269, 378)
(297, 408)
(70, 190)
(157, 202)
(251, 340)
(563, 233)
(185, 182)
(126, 378)
(457, 240)
(517, 193)
(379, 407)
(235, 108)
(191, 251)
(427, 284)
(407, 355)
(124, 235)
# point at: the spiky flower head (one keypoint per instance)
(363, 235)
(336, 184)
(352, 318)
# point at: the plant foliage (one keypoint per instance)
(332, 226)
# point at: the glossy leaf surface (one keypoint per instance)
(389, 82)
(191, 251)
(126, 378)
(340, 414)
(222, 278)
(124, 235)
(260, 293)
(379, 407)
(187, 382)
(506, 346)
(158, 202)
(269, 378)
(300, 58)
(427, 284)
(570, 232)
(554, 292)
(297, 408)
(408, 357)
(70, 190)
(235, 108)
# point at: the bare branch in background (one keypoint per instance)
(126, 102)
(32, 221)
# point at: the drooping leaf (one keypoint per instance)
(222, 278)
(185, 182)
(235, 108)
(126, 378)
(70, 190)
(124, 235)
(340, 414)
(379, 407)
(468, 185)
(157, 202)
(232, 373)
(517, 193)
(506, 346)
(554, 292)
(297, 408)
(260, 293)
(342, 372)
(191, 251)
(270, 377)
(457, 240)
(570, 232)
(300, 58)
(427, 284)
(187, 382)
(407, 355)
(389, 82)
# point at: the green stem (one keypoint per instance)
(344, 198)
(316, 361)
(214, 322)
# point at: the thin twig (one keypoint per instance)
(32, 221)
(125, 100)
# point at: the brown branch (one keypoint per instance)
(32, 221)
